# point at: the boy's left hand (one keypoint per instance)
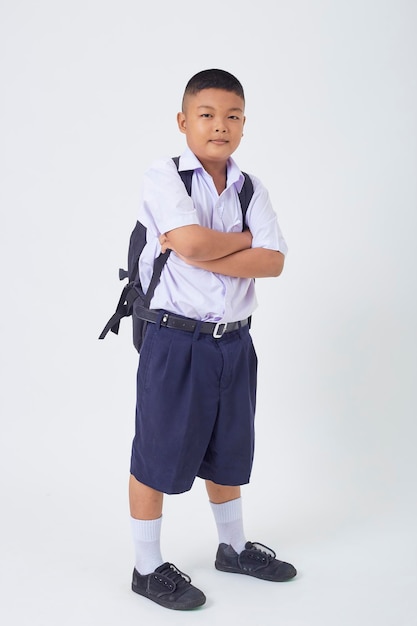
(163, 240)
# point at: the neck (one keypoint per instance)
(218, 173)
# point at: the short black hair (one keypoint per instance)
(213, 79)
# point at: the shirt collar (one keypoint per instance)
(188, 161)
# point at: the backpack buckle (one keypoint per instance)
(219, 332)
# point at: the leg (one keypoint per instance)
(218, 494)
(226, 505)
(145, 502)
(146, 519)
(161, 582)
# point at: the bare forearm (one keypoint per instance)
(252, 263)
(197, 243)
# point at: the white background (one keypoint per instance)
(89, 94)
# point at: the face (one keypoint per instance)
(212, 121)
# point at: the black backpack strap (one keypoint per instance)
(156, 275)
(130, 293)
(186, 175)
(245, 195)
(123, 309)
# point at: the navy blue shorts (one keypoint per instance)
(195, 409)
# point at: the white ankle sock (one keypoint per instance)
(146, 539)
(228, 516)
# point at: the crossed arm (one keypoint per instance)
(230, 254)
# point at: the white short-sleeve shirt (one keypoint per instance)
(165, 205)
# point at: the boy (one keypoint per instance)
(196, 385)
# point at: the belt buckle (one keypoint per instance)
(217, 333)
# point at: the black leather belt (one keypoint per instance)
(169, 320)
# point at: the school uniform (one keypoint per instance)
(196, 391)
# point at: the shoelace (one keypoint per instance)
(174, 574)
(262, 548)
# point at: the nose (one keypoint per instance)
(220, 127)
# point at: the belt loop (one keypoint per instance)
(161, 315)
(239, 324)
(196, 331)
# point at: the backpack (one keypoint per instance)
(132, 294)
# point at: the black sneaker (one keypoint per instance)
(169, 587)
(255, 560)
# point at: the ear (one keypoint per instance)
(182, 124)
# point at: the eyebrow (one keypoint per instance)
(207, 106)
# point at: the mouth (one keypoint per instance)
(219, 142)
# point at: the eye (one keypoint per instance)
(207, 115)
(234, 117)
